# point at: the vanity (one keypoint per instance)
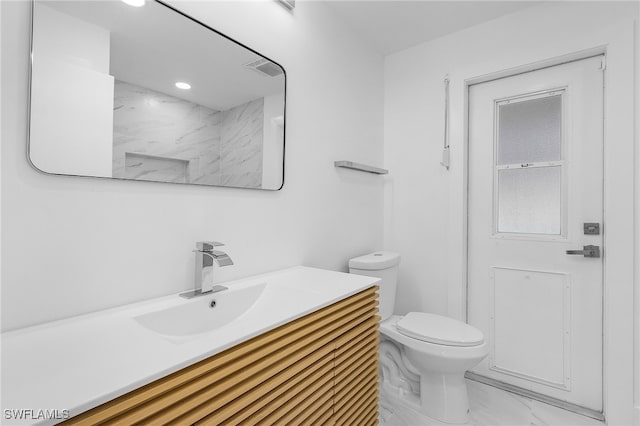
(297, 346)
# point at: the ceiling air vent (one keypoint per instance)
(264, 67)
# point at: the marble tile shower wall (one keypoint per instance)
(241, 141)
(160, 137)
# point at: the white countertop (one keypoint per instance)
(78, 363)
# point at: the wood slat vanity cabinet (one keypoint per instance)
(321, 369)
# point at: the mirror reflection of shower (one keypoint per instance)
(116, 93)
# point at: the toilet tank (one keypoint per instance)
(383, 265)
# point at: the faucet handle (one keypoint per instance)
(207, 245)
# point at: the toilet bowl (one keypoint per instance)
(439, 349)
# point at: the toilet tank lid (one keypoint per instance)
(440, 330)
(375, 261)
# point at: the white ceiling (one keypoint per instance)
(395, 25)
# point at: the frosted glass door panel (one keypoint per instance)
(529, 200)
(529, 131)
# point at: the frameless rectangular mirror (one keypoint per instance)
(147, 93)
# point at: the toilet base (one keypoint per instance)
(396, 409)
(441, 397)
(444, 397)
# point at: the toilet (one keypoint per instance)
(434, 349)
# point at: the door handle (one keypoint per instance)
(587, 251)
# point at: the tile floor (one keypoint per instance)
(489, 407)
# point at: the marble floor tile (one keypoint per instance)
(489, 406)
(395, 415)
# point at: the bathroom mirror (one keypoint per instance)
(145, 92)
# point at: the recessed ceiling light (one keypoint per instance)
(135, 3)
(182, 85)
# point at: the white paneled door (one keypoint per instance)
(535, 229)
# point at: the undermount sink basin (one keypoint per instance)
(202, 314)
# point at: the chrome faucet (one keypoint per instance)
(205, 258)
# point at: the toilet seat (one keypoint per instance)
(389, 329)
(439, 330)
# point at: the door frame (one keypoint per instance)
(618, 215)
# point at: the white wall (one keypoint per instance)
(72, 245)
(424, 204)
(272, 143)
(72, 95)
(637, 231)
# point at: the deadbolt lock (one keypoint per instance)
(591, 229)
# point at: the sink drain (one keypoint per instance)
(212, 304)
